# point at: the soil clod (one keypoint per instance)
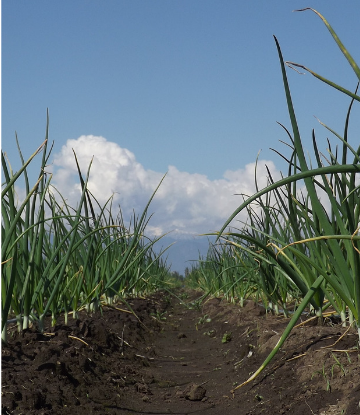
(195, 393)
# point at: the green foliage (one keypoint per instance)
(56, 258)
(301, 240)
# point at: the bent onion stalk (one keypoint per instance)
(301, 243)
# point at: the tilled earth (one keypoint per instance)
(176, 358)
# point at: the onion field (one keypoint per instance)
(89, 305)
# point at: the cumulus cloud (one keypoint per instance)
(185, 203)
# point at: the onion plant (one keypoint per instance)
(56, 258)
(227, 272)
(304, 228)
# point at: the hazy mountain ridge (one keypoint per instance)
(185, 250)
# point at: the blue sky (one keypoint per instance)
(190, 87)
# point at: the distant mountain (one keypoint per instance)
(185, 250)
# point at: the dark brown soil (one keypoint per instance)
(173, 359)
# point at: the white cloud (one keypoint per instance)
(185, 203)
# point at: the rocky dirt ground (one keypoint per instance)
(180, 357)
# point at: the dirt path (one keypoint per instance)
(180, 360)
